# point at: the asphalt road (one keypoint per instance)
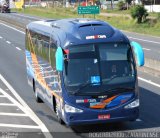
(13, 70)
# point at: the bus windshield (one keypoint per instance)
(95, 68)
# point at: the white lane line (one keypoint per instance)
(24, 107)
(1, 37)
(28, 17)
(12, 114)
(144, 40)
(18, 48)
(7, 104)
(19, 126)
(8, 42)
(146, 49)
(2, 96)
(128, 36)
(13, 101)
(148, 81)
(12, 28)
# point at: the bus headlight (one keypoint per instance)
(132, 104)
(71, 109)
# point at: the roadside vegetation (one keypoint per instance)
(139, 13)
(150, 26)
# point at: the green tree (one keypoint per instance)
(139, 12)
(158, 16)
(120, 5)
(128, 2)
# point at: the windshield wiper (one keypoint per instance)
(81, 87)
(113, 77)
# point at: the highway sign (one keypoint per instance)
(88, 10)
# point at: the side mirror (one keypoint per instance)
(138, 52)
(59, 59)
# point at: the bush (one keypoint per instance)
(121, 5)
(158, 16)
(139, 12)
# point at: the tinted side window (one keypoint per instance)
(30, 41)
(33, 40)
(45, 50)
(53, 48)
(42, 46)
(27, 44)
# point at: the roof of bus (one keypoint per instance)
(78, 31)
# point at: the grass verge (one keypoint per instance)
(151, 27)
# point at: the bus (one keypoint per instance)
(84, 69)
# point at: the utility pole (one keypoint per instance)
(111, 4)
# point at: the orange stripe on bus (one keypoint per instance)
(40, 78)
(103, 103)
(99, 106)
(109, 99)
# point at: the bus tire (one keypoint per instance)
(57, 114)
(38, 99)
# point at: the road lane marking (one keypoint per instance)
(18, 48)
(144, 40)
(128, 36)
(148, 81)
(19, 126)
(24, 107)
(12, 28)
(8, 42)
(28, 16)
(12, 114)
(7, 104)
(1, 37)
(2, 96)
(146, 49)
(13, 101)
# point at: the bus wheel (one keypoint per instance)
(57, 114)
(38, 99)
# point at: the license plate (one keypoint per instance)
(104, 116)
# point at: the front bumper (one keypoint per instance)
(90, 116)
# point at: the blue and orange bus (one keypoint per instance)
(84, 70)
